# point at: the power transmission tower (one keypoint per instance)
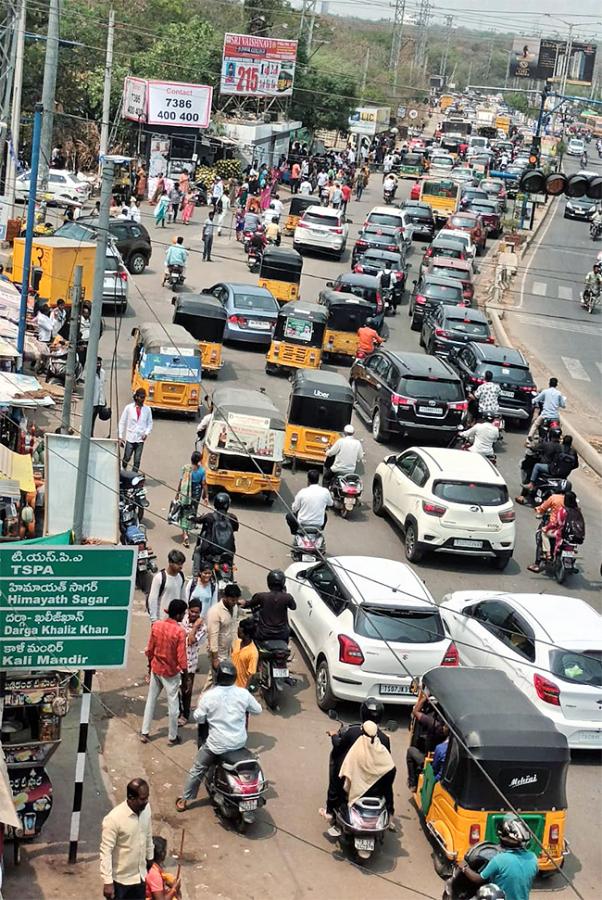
(306, 23)
(422, 24)
(8, 49)
(400, 8)
(449, 21)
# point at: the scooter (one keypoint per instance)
(132, 489)
(309, 544)
(363, 825)
(346, 491)
(595, 230)
(235, 785)
(133, 534)
(388, 195)
(174, 277)
(254, 258)
(272, 672)
(56, 367)
(458, 886)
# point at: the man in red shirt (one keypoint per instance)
(166, 651)
(346, 192)
(368, 339)
(295, 175)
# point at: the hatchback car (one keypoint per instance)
(471, 193)
(407, 393)
(460, 269)
(555, 658)
(131, 239)
(418, 221)
(322, 229)
(457, 235)
(252, 312)
(494, 189)
(116, 282)
(356, 617)
(489, 212)
(429, 291)
(472, 225)
(373, 262)
(365, 286)
(575, 147)
(510, 370)
(453, 326)
(579, 208)
(62, 186)
(446, 501)
(379, 237)
(445, 247)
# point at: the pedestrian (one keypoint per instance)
(134, 211)
(126, 845)
(188, 206)
(191, 489)
(135, 425)
(159, 189)
(336, 196)
(223, 208)
(166, 652)
(44, 324)
(184, 182)
(295, 175)
(208, 229)
(58, 316)
(175, 198)
(167, 585)
(160, 885)
(221, 627)
(239, 226)
(100, 397)
(360, 183)
(245, 654)
(217, 191)
(161, 209)
(84, 334)
(194, 629)
(141, 184)
(346, 194)
(305, 188)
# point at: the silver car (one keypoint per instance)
(116, 282)
(252, 312)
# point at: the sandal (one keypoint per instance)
(144, 739)
(534, 568)
(177, 740)
(181, 804)
(186, 543)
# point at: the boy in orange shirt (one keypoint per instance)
(245, 654)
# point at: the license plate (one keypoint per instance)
(395, 689)
(472, 545)
(430, 410)
(243, 482)
(262, 325)
(142, 554)
(307, 557)
(569, 554)
(364, 843)
(509, 394)
(247, 805)
(280, 673)
(589, 736)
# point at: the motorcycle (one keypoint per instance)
(595, 230)
(388, 195)
(309, 544)
(563, 561)
(132, 532)
(459, 887)
(389, 301)
(254, 257)
(346, 491)
(248, 238)
(363, 825)
(272, 671)
(132, 488)
(589, 299)
(174, 277)
(56, 367)
(235, 785)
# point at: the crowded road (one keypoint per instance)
(287, 854)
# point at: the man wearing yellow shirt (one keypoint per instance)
(245, 654)
(272, 232)
(126, 845)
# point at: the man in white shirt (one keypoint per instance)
(126, 845)
(310, 504)
(277, 205)
(484, 435)
(44, 323)
(58, 316)
(100, 394)
(305, 188)
(135, 425)
(322, 179)
(216, 191)
(167, 585)
(347, 453)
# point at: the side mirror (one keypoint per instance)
(302, 574)
(415, 282)
(330, 284)
(133, 332)
(391, 459)
(174, 300)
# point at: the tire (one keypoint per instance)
(443, 867)
(378, 501)
(421, 339)
(324, 697)
(500, 562)
(559, 572)
(270, 369)
(415, 325)
(270, 497)
(137, 263)
(413, 552)
(270, 695)
(241, 826)
(379, 433)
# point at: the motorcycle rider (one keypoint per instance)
(514, 869)
(484, 435)
(546, 455)
(596, 222)
(551, 511)
(390, 185)
(224, 708)
(273, 606)
(486, 398)
(368, 338)
(551, 402)
(216, 537)
(583, 159)
(593, 281)
(176, 255)
(346, 453)
(310, 504)
(272, 232)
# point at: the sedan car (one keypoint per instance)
(575, 147)
(252, 312)
(579, 208)
(62, 187)
(116, 283)
(449, 501)
(446, 327)
(554, 658)
(367, 627)
(323, 229)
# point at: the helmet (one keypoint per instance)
(222, 502)
(349, 429)
(372, 710)
(597, 265)
(226, 673)
(513, 832)
(276, 580)
(555, 432)
(489, 416)
(490, 892)
(370, 322)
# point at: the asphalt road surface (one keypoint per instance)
(287, 855)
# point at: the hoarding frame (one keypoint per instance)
(242, 58)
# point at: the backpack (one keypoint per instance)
(574, 529)
(217, 534)
(161, 588)
(563, 463)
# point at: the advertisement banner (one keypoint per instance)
(134, 99)
(369, 120)
(257, 66)
(177, 104)
(539, 59)
(524, 58)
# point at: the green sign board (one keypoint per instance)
(65, 606)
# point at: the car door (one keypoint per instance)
(494, 648)
(324, 604)
(219, 291)
(396, 491)
(367, 383)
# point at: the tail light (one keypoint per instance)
(301, 224)
(490, 340)
(429, 251)
(391, 248)
(433, 509)
(474, 835)
(477, 380)
(451, 657)
(546, 690)
(122, 274)
(420, 299)
(360, 243)
(350, 651)
(529, 390)
(336, 230)
(441, 332)
(461, 405)
(399, 400)
(508, 516)
(554, 834)
(379, 302)
(237, 320)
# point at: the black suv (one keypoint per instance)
(377, 237)
(132, 239)
(510, 370)
(365, 286)
(404, 393)
(420, 216)
(429, 291)
(453, 326)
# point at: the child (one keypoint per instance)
(160, 885)
(245, 654)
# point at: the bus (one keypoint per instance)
(461, 127)
(442, 195)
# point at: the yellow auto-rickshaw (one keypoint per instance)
(502, 754)
(346, 315)
(280, 273)
(204, 317)
(297, 338)
(167, 363)
(321, 404)
(298, 206)
(242, 453)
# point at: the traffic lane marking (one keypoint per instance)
(559, 324)
(539, 288)
(575, 368)
(565, 292)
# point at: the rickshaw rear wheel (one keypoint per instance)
(443, 866)
(270, 369)
(269, 497)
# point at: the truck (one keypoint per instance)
(57, 258)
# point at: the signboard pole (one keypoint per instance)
(80, 766)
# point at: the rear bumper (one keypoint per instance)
(514, 412)
(233, 333)
(331, 245)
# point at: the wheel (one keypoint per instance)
(415, 325)
(421, 339)
(241, 826)
(137, 263)
(500, 562)
(412, 550)
(443, 867)
(379, 433)
(559, 571)
(270, 369)
(325, 698)
(270, 695)
(143, 581)
(270, 496)
(378, 504)
(344, 512)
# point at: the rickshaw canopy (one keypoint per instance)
(323, 386)
(313, 312)
(281, 264)
(165, 339)
(202, 315)
(241, 401)
(332, 298)
(298, 205)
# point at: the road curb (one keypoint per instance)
(583, 447)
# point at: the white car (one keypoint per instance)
(368, 626)
(575, 147)
(550, 647)
(62, 185)
(451, 501)
(459, 235)
(441, 165)
(321, 228)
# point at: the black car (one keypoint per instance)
(377, 237)
(407, 393)
(453, 326)
(510, 370)
(429, 291)
(579, 208)
(132, 239)
(365, 286)
(419, 216)
(373, 262)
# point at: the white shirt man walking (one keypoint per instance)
(135, 425)
(310, 505)
(126, 845)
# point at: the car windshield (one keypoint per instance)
(465, 326)
(501, 373)
(254, 301)
(580, 668)
(319, 219)
(75, 232)
(431, 389)
(471, 493)
(376, 237)
(404, 626)
(443, 292)
(384, 219)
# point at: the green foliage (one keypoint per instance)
(195, 46)
(518, 102)
(323, 100)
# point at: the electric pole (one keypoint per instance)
(400, 8)
(489, 58)
(365, 74)
(51, 64)
(449, 21)
(307, 23)
(76, 292)
(15, 119)
(106, 96)
(8, 50)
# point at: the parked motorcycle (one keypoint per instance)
(174, 277)
(132, 486)
(235, 785)
(272, 671)
(132, 500)
(346, 491)
(56, 366)
(308, 544)
(595, 230)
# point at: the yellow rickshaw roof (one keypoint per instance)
(246, 402)
(154, 335)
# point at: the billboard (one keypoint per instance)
(167, 103)
(369, 120)
(542, 58)
(257, 66)
(134, 99)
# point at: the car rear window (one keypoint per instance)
(450, 272)
(580, 668)
(445, 292)
(471, 493)
(318, 219)
(111, 264)
(450, 252)
(254, 301)
(482, 208)
(462, 222)
(399, 625)
(417, 212)
(382, 262)
(516, 374)
(465, 326)
(431, 388)
(384, 219)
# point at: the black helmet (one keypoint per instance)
(513, 832)
(372, 710)
(370, 322)
(555, 433)
(489, 416)
(490, 892)
(226, 673)
(276, 580)
(222, 502)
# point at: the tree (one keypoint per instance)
(321, 100)
(186, 51)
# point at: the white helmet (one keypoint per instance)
(349, 429)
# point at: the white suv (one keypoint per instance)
(321, 228)
(368, 627)
(62, 185)
(453, 501)
(575, 147)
